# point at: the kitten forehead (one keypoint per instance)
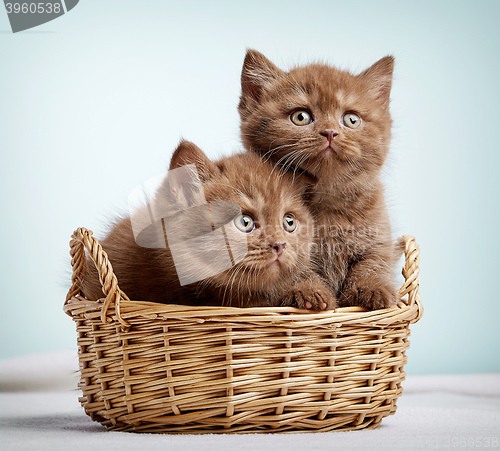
(256, 185)
(327, 88)
(250, 202)
(270, 197)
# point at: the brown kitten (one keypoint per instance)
(276, 228)
(335, 127)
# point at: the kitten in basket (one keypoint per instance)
(334, 127)
(236, 210)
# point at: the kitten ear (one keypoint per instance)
(189, 153)
(256, 73)
(380, 77)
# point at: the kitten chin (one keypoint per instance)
(275, 226)
(334, 127)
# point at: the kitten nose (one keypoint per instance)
(279, 247)
(330, 134)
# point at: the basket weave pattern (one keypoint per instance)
(179, 369)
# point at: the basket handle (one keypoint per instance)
(80, 240)
(411, 273)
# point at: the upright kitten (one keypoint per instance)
(276, 228)
(335, 127)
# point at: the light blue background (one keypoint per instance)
(94, 102)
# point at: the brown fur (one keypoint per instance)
(149, 273)
(355, 252)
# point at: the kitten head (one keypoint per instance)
(271, 217)
(325, 121)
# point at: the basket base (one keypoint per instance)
(334, 424)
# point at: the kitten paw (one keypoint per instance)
(372, 297)
(311, 297)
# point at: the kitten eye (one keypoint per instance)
(301, 117)
(351, 120)
(290, 223)
(244, 223)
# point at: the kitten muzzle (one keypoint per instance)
(278, 248)
(330, 135)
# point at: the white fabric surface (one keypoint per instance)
(39, 410)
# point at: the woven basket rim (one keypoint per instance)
(132, 311)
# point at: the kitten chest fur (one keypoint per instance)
(347, 229)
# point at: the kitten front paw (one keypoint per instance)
(311, 296)
(368, 295)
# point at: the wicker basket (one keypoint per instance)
(149, 367)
